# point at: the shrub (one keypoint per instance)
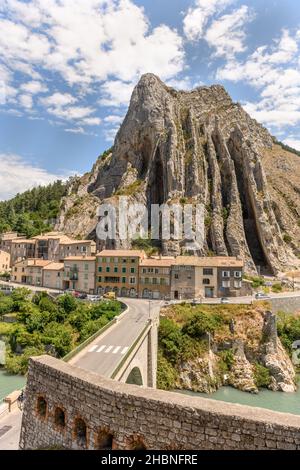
(166, 374)
(202, 323)
(170, 339)
(277, 287)
(262, 377)
(287, 238)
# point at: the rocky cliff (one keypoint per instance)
(244, 350)
(199, 146)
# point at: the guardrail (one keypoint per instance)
(130, 350)
(90, 339)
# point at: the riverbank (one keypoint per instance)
(276, 401)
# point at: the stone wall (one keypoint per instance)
(285, 304)
(72, 408)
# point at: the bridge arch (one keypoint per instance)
(135, 377)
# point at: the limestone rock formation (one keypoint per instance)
(202, 147)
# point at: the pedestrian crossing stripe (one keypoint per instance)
(108, 349)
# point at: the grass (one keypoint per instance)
(130, 189)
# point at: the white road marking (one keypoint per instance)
(124, 350)
(108, 349)
(93, 348)
(101, 348)
(116, 349)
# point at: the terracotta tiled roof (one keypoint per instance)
(120, 253)
(159, 262)
(54, 267)
(212, 261)
(80, 258)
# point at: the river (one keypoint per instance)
(9, 383)
(277, 401)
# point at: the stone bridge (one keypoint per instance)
(68, 407)
(127, 350)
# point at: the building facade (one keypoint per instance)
(201, 277)
(118, 271)
(53, 276)
(80, 273)
(4, 262)
(29, 271)
(76, 248)
(155, 278)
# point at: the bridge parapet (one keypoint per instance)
(72, 408)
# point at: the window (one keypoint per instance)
(132, 270)
(124, 280)
(124, 260)
(59, 418)
(41, 407)
(144, 270)
(86, 286)
(206, 281)
(208, 271)
(100, 269)
(146, 280)
(103, 260)
(154, 280)
(99, 279)
(156, 270)
(115, 269)
(176, 276)
(238, 274)
(132, 260)
(226, 284)
(105, 440)
(80, 431)
(86, 267)
(225, 273)
(123, 270)
(116, 260)
(162, 281)
(132, 280)
(107, 269)
(86, 276)
(237, 284)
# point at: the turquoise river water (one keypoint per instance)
(9, 383)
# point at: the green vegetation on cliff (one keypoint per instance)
(33, 211)
(47, 326)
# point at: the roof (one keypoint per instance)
(39, 263)
(125, 253)
(211, 261)
(23, 240)
(54, 267)
(158, 262)
(80, 258)
(77, 242)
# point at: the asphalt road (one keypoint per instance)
(104, 353)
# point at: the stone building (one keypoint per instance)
(155, 277)
(76, 248)
(80, 274)
(118, 271)
(29, 271)
(53, 276)
(199, 277)
(21, 249)
(4, 261)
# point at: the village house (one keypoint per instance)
(29, 271)
(155, 277)
(118, 271)
(53, 276)
(199, 277)
(76, 248)
(4, 262)
(79, 273)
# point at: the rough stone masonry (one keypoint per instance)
(67, 407)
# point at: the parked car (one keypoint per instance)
(225, 300)
(110, 295)
(93, 298)
(196, 302)
(262, 296)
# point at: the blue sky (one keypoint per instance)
(68, 67)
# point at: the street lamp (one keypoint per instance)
(149, 309)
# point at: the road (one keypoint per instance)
(32, 288)
(10, 427)
(104, 353)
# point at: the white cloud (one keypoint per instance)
(26, 101)
(17, 176)
(197, 17)
(275, 72)
(292, 142)
(226, 34)
(75, 130)
(34, 87)
(110, 134)
(92, 121)
(58, 100)
(113, 119)
(72, 112)
(116, 93)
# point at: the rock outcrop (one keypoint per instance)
(202, 147)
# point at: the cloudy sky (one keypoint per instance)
(68, 67)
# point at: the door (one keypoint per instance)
(209, 292)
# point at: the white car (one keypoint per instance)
(262, 296)
(94, 298)
(224, 300)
